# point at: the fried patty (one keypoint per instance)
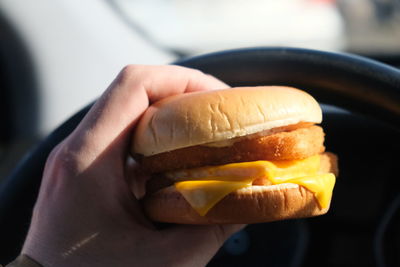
(287, 145)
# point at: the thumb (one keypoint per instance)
(198, 244)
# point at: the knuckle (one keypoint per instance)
(128, 69)
(61, 161)
(127, 73)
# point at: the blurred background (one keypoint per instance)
(56, 56)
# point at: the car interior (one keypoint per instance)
(360, 97)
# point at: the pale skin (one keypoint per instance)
(86, 213)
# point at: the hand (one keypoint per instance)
(86, 214)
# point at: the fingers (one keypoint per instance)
(190, 240)
(163, 81)
(119, 108)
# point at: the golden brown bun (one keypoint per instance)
(212, 116)
(248, 205)
(253, 204)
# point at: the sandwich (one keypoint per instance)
(238, 155)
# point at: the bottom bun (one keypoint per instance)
(253, 204)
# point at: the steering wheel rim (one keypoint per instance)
(343, 80)
(360, 84)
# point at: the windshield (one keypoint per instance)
(191, 27)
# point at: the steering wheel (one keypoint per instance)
(364, 133)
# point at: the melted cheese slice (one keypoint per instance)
(320, 184)
(271, 170)
(204, 187)
(203, 195)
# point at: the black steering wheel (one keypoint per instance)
(364, 133)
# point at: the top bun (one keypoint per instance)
(211, 116)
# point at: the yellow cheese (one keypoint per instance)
(208, 185)
(320, 184)
(203, 195)
(251, 170)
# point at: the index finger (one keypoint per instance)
(122, 104)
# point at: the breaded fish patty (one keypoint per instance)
(299, 143)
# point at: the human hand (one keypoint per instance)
(86, 214)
